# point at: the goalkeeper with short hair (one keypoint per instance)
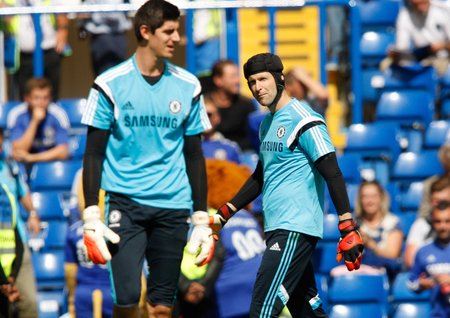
(296, 160)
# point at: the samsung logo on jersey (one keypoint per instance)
(271, 146)
(150, 121)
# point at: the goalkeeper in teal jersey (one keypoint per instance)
(144, 117)
(296, 160)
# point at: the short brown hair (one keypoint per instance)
(440, 184)
(37, 83)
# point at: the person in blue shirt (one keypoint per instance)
(38, 128)
(145, 118)
(431, 268)
(296, 159)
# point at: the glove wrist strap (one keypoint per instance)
(346, 226)
(226, 211)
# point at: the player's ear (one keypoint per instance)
(145, 32)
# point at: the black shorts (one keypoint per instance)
(157, 234)
(286, 277)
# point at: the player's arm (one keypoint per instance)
(350, 246)
(93, 228)
(94, 155)
(196, 170)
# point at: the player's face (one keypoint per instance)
(39, 98)
(370, 199)
(421, 6)
(263, 87)
(165, 38)
(440, 219)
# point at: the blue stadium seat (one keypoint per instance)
(330, 228)
(415, 166)
(350, 163)
(77, 145)
(49, 269)
(4, 110)
(371, 76)
(412, 197)
(357, 310)
(322, 289)
(378, 15)
(359, 289)
(50, 304)
(374, 140)
(436, 134)
(54, 234)
(445, 108)
(402, 294)
(406, 220)
(54, 175)
(406, 107)
(74, 108)
(413, 77)
(324, 257)
(374, 47)
(49, 205)
(412, 310)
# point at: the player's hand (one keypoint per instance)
(350, 246)
(202, 238)
(94, 234)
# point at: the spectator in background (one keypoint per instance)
(421, 232)
(422, 34)
(38, 128)
(55, 31)
(25, 282)
(83, 277)
(380, 229)
(242, 239)
(107, 35)
(431, 268)
(444, 159)
(234, 108)
(301, 85)
(214, 144)
(207, 32)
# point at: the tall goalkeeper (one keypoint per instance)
(145, 117)
(296, 159)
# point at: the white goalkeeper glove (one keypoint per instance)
(94, 232)
(202, 238)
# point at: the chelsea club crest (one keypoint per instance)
(175, 107)
(281, 131)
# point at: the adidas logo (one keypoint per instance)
(275, 247)
(127, 106)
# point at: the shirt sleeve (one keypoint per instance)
(417, 269)
(99, 112)
(402, 36)
(316, 141)
(197, 121)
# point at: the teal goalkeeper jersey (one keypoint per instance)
(144, 155)
(291, 140)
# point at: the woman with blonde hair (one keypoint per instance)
(380, 229)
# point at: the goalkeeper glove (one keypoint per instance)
(94, 231)
(202, 238)
(350, 246)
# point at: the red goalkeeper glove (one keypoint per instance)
(94, 234)
(350, 246)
